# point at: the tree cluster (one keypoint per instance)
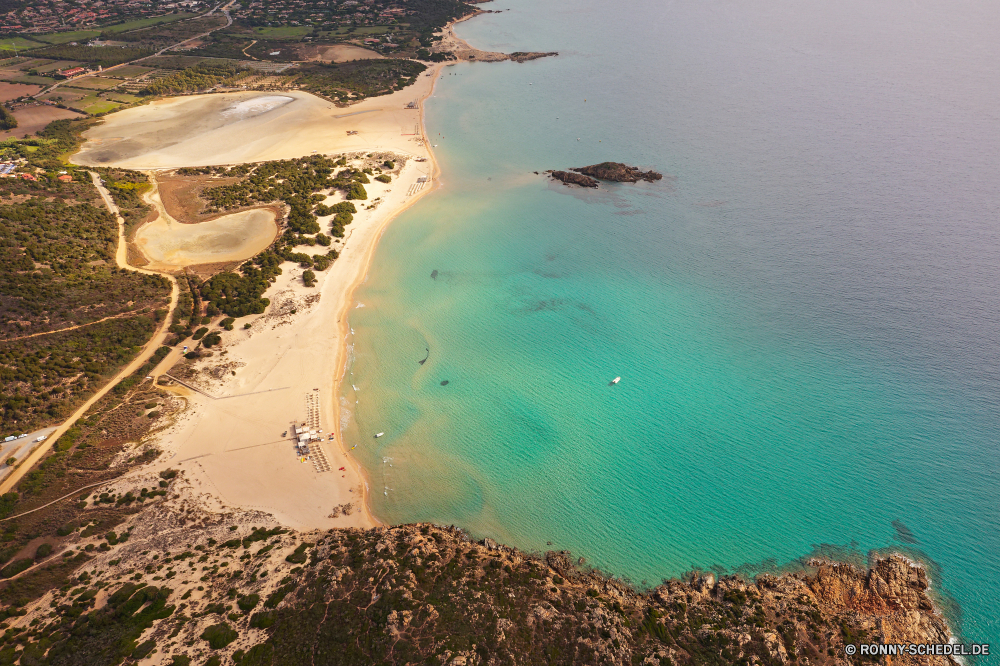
(362, 78)
(202, 76)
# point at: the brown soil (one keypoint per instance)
(33, 118)
(181, 196)
(335, 53)
(15, 90)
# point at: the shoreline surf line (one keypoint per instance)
(344, 306)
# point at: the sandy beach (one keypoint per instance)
(234, 439)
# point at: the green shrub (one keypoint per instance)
(16, 567)
(219, 635)
(211, 339)
(384, 178)
(299, 556)
(143, 649)
(43, 551)
(357, 191)
(309, 278)
(248, 602)
(321, 262)
(262, 620)
(200, 333)
(227, 323)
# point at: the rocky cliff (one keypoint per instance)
(183, 586)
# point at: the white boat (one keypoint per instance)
(616, 380)
(378, 434)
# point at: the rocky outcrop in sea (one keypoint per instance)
(614, 172)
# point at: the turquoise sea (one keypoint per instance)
(805, 312)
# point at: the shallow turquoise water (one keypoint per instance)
(804, 313)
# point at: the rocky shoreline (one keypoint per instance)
(236, 588)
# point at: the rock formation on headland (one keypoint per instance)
(618, 172)
(234, 588)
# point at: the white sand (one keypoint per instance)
(230, 443)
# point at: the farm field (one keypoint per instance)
(64, 95)
(122, 97)
(56, 64)
(127, 72)
(93, 83)
(17, 43)
(67, 37)
(39, 80)
(102, 106)
(14, 90)
(34, 118)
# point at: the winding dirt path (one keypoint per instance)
(71, 328)
(121, 258)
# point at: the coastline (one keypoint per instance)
(229, 448)
(344, 304)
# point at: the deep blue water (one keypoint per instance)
(804, 312)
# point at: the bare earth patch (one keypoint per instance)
(336, 53)
(14, 90)
(33, 118)
(181, 195)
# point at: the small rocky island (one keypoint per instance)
(615, 172)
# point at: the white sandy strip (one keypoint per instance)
(233, 447)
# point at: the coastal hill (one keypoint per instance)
(164, 581)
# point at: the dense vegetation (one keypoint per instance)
(200, 77)
(360, 78)
(7, 119)
(294, 183)
(95, 55)
(126, 188)
(57, 271)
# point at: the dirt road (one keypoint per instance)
(147, 351)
